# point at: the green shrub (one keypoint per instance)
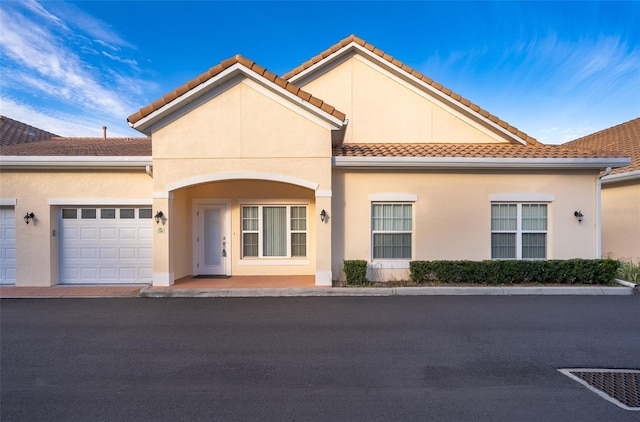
(629, 271)
(571, 271)
(355, 271)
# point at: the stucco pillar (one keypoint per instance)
(324, 276)
(162, 257)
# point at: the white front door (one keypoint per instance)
(212, 240)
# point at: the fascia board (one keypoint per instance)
(477, 163)
(147, 122)
(407, 76)
(75, 162)
(621, 177)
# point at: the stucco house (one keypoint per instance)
(351, 155)
(620, 190)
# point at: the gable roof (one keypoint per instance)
(352, 41)
(624, 138)
(13, 132)
(171, 98)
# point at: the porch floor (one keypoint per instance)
(244, 282)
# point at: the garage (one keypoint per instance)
(7, 245)
(105, 245)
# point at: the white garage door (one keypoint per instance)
(7, 245)
(105, 245)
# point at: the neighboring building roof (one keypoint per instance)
(624, 138)
(216, 70)
(13, 132)
(353, 39)
(89, 147)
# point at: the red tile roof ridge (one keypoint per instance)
(219, 68)
(531, 141)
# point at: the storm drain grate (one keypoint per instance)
(619, 386)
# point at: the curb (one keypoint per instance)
(389, 291)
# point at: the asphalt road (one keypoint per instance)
(427, 358)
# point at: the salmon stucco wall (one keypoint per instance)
(36, 243)
(452, 214)
(621, 220)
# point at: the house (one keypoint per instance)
(351, 155)
(620, 205)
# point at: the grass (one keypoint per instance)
(629, 271)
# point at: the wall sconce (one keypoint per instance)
(578, 215)
(159, 215)
(323, 215)
(28, 217)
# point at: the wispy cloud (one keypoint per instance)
(42, 58)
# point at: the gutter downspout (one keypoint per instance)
(599, 211)
(149, 170)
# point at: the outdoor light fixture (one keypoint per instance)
(159, 215)
(578, 215)
(28, 217)
(323, 215)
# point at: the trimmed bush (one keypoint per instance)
(571, 271)
(355, 271)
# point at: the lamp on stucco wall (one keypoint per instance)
(28, 217)
(323, 215)
(159, 215)
(578, 214)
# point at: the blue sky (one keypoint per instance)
(555, 70)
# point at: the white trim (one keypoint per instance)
(324, 193)
(266, 262)
(473, 162)
(162, 195)
(621, 177)
(226, 75)
(324, 279)
(249, 175)
(522, 197)
(100, 201)
(76, 162)
(8, 202)
(393, 197)
(273, 201)
(383, 264)
(163, 279)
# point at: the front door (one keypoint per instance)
(212, 240)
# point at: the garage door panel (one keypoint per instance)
(105, 249)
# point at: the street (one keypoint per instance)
(426, 358)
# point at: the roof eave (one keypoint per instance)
(477, 163)
(26, 162)
(622, 177)
(146, 124)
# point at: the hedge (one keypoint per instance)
(356, 271)
(571, 271)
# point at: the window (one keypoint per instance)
(108, 213)
(391, 227)
(274, 231)
(144, 213)
(518, 231)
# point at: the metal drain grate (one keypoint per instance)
(619, 386)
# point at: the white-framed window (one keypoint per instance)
(519, 230)
(391, 230)
(274, 231)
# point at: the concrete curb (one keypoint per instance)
(389, 291)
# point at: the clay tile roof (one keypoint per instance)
(93, 147)
(624, 138)
(466, 151)
(225, 64)
(352, 38)
(13, 132)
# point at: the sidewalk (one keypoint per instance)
(88, 291)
